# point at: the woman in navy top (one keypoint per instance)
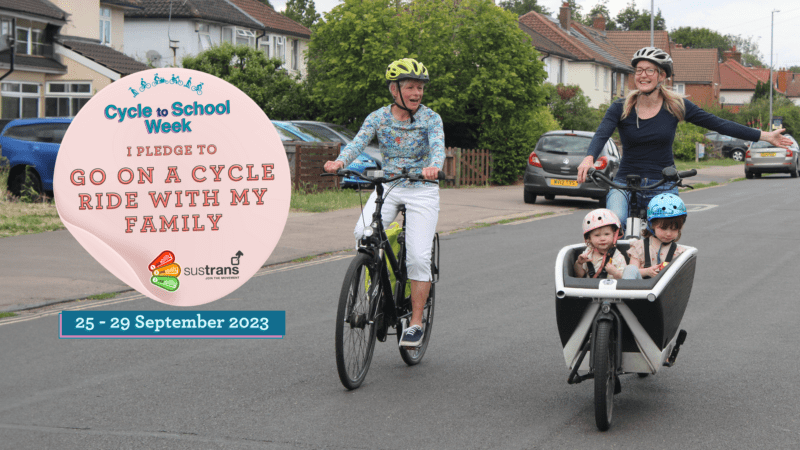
(647, 120)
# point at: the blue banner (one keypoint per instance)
(172, 324)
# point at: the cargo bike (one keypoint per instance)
(610, 327)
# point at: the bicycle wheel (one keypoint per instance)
(604, 374)
(413, 356)
(355, 325)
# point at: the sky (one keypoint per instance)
(748, 18)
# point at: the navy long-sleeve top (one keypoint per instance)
(647, 147)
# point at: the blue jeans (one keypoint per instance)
(617, 200)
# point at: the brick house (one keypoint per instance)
(697, 75)
(629, 42)
(578, 55)
(737, 82)
(64, 53)
(163, 32)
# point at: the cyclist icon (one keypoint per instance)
(188, 84)
(158, 80)
(145, 85)
(134, 92)
(198, 89)
(176, 80)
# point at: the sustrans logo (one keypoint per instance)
(165, 271)
(222, 273)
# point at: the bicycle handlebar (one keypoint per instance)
(382, 179)
(668, 174)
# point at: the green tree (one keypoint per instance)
(627, 17)
(642, 23)
(521, 7)
(302, 11)
(279, 95)
(751, 55)
(575, 10)
(266, 2)
(762, 92)
(600, 8)
(571, 107)
(794, 69)
(485, 75)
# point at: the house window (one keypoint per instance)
(264, 45)
(295, 50)
(596, 77)
(30, 41)
(238, 36)
(680, 88)
(5, 27)
(605, 79)
(280, 51)
(203, 33)
(66, 98)
(105, 26)
(20, 100)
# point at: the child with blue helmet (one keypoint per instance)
(666, 214)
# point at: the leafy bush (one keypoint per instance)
(571, 107)
(279, 94)
(686, 137)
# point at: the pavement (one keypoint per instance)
(47, 268)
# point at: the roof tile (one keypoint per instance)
(213, 10)
(36, 7)
(272, 21)
(694, 65)
(105, 56)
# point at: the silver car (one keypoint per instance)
(762, 157)
(553, 166)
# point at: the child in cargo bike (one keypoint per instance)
(666, 214)
(601, 259)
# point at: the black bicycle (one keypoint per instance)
(370, 304)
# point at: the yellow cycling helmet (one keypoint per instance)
(406, 69)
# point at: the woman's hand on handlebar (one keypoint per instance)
(333, 166)
(430, 173)
(584, 167)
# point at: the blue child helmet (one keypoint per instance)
(663, 206)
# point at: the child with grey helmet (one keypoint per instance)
(666, 214)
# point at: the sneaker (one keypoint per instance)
(412, 337)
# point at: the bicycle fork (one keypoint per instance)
(605, 313)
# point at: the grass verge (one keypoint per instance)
(18, 218)
(102, 296)
(7, 314)
(686, 165)
(330, 200)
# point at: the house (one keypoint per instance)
(737, 82)
(62, 56)
(789, 84)
(697, 75)
(578, 55)
(162, 32)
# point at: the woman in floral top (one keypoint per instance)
(410, 136)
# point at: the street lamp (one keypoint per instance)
(771, 39)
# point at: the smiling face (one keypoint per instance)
(646, 82)
(412, 91)
(602, 238)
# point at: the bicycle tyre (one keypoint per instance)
(355, 324)
(604, 376)
(413, 356)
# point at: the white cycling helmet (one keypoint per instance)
(656, 56)
(598, 219)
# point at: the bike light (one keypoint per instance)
(606, 308)
(601, 163)
(368, 232)
(534, 160)
(651, 297)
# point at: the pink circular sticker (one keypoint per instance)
(176, 182)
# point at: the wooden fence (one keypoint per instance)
(307, 162)
(467, 166)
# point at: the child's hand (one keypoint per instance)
(613, 270)
(651, 271)
(583, 259)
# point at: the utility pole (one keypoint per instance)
(771, 40)
(652, 25)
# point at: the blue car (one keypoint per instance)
(32, 144)
(328, 132)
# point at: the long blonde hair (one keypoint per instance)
(672, 101)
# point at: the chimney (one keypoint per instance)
(599, 22)
(564, 16)
(732, 54)
(678, 45)
(783, 80)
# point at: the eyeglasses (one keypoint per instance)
(650, 71)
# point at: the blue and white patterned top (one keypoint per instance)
(403, 144)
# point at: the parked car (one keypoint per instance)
(763, 157)
(31, 147)
(553, 166)
(730, 147)
(370, 158)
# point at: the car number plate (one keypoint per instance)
(767, 154)
(570, 183)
